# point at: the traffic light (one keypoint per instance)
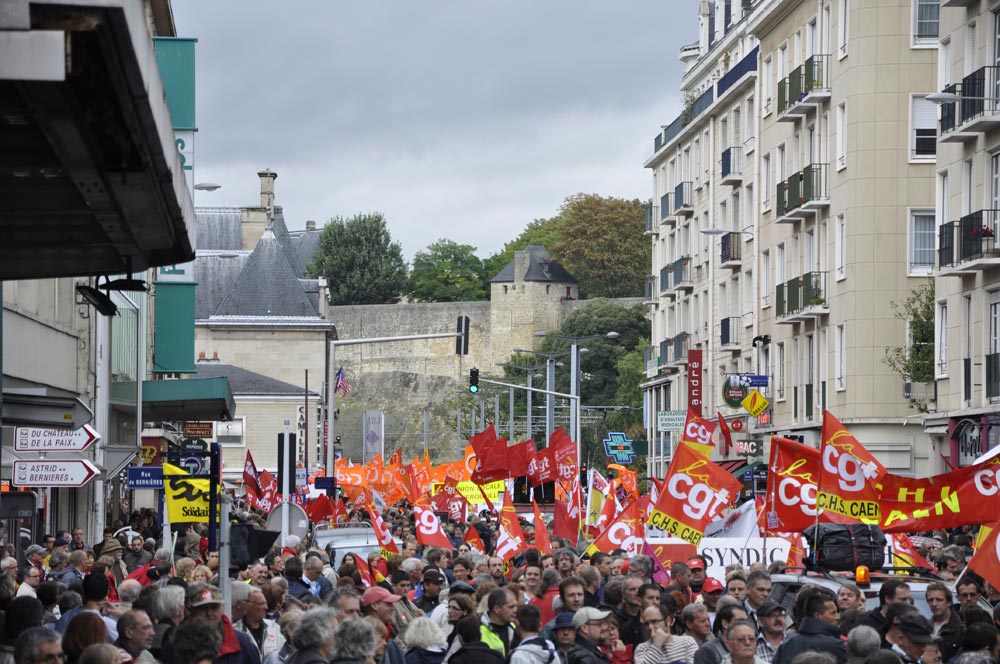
(584, 477)
(473, 380)
(462, 340)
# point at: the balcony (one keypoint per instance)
(652, 220)
(729, 334)
(649, 290)
(804, 88)
(993, 376)
(729, 80)
(801, 298)
(667, 211)
(664, 357)
(978, 109)
(665, 287)
(683, 199)
(731, 171)
(651, 361)
(969, 244)
(950, 120)
(958, 3)
(679, 349)
(802, 194)
(732, 251)
(680, 274)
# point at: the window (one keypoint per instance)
(779, 372)
(925, 20)
(840, 246)
(842, 135)
(923, 129)
(944, 63)
(765, 176)
(748, 210)
(942, 338)
(840, 357)
(751, 125)
(765, 87)
(765, 279)
(765, 367)
(843, 35)
(943, 196)
(921, 242)
(747, 299)
(779, 264)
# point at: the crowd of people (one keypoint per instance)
(129, 601)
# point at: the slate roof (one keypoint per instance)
(244, 382)
(540, 268)
(268, 285)
(215, 272)
(219, 228)
(306, 245)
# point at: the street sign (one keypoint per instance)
(733, 393)
(737, 425)
(198, 429)
(755, 403)
(325, 483)
(301, 476)
(145, 477)
(670, 420)
(32, 439)
(42, 411)
(53, 472)
(194, 445)
(747, 380)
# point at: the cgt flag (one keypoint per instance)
(792, 477)
(986, 560)
(848, 481)
(695, 492)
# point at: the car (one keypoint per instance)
(340, 539)
(785, 586)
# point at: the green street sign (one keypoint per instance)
(733, 395)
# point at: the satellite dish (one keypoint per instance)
(298, 521)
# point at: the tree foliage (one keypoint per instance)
(361, 263)
(600, 241)
(541, 231)
(915, 362)
(447, 272)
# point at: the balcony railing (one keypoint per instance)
(652, 214)
(979, 93)
(730, 331)
(680, 273)
(664, 352)
(665, 209)
(804, 191)
(686, 117)
(741, 69)
(805, 85)
(730, 160)
(801, 295)
(679, 347)
(993, 376)
(971, 238)
(683, 197)
(949, 111)
(665, 278)
(649, 288)
(731, 247)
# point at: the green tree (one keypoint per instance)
(361, 263)
(601, 243)
(915, 362)
(446, 272)
(541, 231)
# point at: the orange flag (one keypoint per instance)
(397, 457)
(986, 560)
(473, 539)
(429, 530)
(385, 540)
(849, 475)
(627, 477)
(626, 532)
(510, 537)
(542, 541)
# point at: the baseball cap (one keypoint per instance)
(916, 628)
(563, 621)
(60, 542)
(769, 606)
(378, 594)
(33, 549)
(588, 613)
(696, 563)
(433, 576)
(202, 594)
(711, 585)
(461, 587)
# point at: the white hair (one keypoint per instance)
(425, 633)
(292, 541)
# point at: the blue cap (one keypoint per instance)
(564, 621)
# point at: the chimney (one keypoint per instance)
(522, 263)
(201, 356)
(310, 225)
(704, 38)
(267, 178)
(215, 356)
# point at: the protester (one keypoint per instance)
(662, 645)
(353, 642)
(589, 624)
(265, 633)
(425, 642)
(771, 619)
(817, 631)
(496, 627)
(472, 650)
(313, 638)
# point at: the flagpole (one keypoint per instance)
(819, 483)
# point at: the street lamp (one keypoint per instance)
(531, 375)
(207, 186)
(550, 384)
(723, 231)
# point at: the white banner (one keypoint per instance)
(373, 434)
(741, 522)
(722, 551)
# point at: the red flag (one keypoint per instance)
(906, 555)
(542, 542)
(609, 510)
(397, 457)
(339, 511)
(385, 540)
(544, 468)
(472, 539)
(321, 509)
(986, 560)
(695, 494)
(518, 458)
(727, 438)
(567, 513)
(850, 474)
(564, 455)
(251, 477)
(491, 457)
(369, 575)
(791, 488)
(698, 432)
(510, 537)
(429, 530)
(626, 532)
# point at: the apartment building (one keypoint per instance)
(700, 290)
(967, 281)
(833, 219)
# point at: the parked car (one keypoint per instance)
(338, 540)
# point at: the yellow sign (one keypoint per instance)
(755, 403)
(470, 491)
(186, 497)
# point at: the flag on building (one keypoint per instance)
(341, 386)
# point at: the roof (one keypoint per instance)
(244, 382)
(541, 267)
(215, 272)
(219, 228)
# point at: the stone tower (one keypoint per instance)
(524, 298)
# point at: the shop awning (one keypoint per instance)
(188, 400)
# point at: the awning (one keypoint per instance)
(733, 466)
(188, 400)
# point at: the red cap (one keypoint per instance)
(696, 563)
(711, 586)
(378, 594)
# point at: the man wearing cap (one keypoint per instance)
(204, 602)
(36, 557)
(697, 566)
(113, 548)
(590, 624)
(496, 626)
(433, 582)
(711, 591)
(915, 634)
(818, 631)
(563, 635)
(378, 602)
(771, 619)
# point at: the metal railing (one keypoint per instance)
(798, 293)
(739, 70)
(806, 186)
(649, 288)
(731, 247)
(664, 352)
(665, 278)
(651, 217)
(683, 196)
(730, 331)
(815, 73)
(680, 271)
(665, 209)
(949, 111)
(946, 244)
(979, 93)
(979, 234)
(992, 375)
(680, 347)
(780, 198)
(731, 161)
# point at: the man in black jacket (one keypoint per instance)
(947, 625)
(818, 631)
(590, 624)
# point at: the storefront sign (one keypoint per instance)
(695, 384)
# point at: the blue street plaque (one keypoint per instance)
(145, 477)
(325, 483)
(619, 448)
(747, 380)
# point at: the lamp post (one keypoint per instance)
(550, 385)
(531, 375)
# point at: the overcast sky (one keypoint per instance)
(456, 119)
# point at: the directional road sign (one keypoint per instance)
(53, 472)
(33, 439)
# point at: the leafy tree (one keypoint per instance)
(915, 362)
(446, 272)
(601, 243)
(541, 231)
(361, 263)
(631, 373)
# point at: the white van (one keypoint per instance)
(341, 539)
